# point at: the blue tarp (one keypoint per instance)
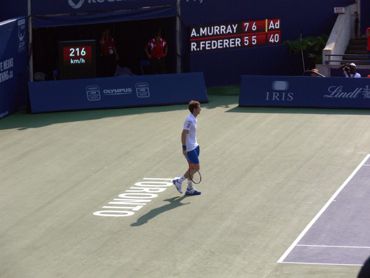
(288, 91)
(114, 92)
(13, 65)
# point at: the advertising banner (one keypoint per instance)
(114, 92)
(13, 65)
(288, 91)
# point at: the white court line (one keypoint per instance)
(333, 264)
(286, 253)
(158, 179)
(333, 246)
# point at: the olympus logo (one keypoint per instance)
(116, 92)
(142, 90)
(93, 93)
(76, 4)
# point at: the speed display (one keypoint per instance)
(248, 33)
(77, 59)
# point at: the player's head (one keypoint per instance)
(194, 107)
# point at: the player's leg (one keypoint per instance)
(177, 182)
(194, 166)
(193, 159)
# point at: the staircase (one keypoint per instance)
(357, 52)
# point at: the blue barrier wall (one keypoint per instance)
(309, 18)
(13, 65)
(285, 91)
(114, 92)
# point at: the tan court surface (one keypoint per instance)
(266, 174)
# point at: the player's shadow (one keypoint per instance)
(173, 203)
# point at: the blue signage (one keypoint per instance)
(13, 65)
(288, 91)
(114, 92)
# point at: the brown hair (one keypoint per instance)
(193, 104)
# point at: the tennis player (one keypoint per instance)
(190, 149)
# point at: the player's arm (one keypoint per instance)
(184, 134)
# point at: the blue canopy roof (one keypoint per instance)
(83, 12)
(143, 13)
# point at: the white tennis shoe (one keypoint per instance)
(177, 183)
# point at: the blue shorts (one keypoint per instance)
(193, 156)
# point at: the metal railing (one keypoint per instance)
(358, 59)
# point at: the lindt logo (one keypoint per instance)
(338, 92)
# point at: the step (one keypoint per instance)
(351, 46)
(358, 41)
(362, 52)
(355, 57)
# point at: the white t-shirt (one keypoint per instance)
(191, 125)
(351, 75)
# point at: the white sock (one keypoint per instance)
(182, 179)
(190, 186)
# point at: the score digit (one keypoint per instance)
(254, 26)
(77, 52)
(273, 37)
(83, 51)
(246, 26)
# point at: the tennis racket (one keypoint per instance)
(196, 177)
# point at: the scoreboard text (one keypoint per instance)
(77, 54)
(236, 35)
(77, 59)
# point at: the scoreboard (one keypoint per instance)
(248, 33)
(77, 59)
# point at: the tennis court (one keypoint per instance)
(266, 174)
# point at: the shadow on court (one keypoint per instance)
(174, 202)
(23, 121)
